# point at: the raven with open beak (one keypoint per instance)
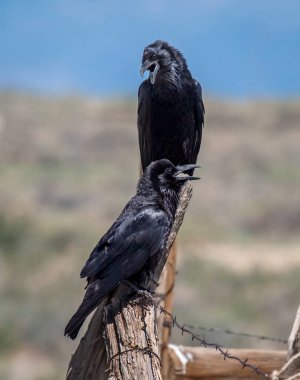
(170, 108)
(182, 169)
(152, 66)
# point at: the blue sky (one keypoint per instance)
(235, 48)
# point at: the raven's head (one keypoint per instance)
(163, 176)
(160, 57)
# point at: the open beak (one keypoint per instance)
(153, 67)
(181, 169)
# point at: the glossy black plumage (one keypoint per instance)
(170, 108)
(135, 241)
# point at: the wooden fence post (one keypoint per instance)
(167, 303)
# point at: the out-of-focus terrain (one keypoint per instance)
(69, 165)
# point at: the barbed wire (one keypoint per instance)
(237, 333)
(144, 350)
(203, 342)
(201, 339)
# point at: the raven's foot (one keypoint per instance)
(141, 291)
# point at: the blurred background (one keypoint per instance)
(69, 75)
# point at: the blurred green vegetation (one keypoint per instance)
(67, 168)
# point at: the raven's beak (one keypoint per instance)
(147, 65)
(181, 169)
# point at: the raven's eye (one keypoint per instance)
(168, 171)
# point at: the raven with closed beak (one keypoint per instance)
(135, 242)
(170, 108)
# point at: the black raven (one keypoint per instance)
(170, 108)
(135, 241)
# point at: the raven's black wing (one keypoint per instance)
(144, 123)
(132, 234)
(126, 251)
(199, 122)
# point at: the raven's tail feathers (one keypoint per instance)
(74, 325)
(94, 295)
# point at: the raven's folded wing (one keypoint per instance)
(129, 244)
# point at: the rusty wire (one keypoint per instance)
(237, 333)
